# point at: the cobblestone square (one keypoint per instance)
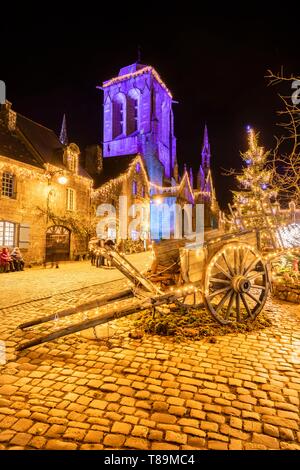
(240, 392)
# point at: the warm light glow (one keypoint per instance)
(62, 179)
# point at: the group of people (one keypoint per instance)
(11, 261)
(97, 250)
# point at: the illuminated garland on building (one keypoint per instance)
(110, 186)
(178, 187)
(147, 69)
(23, 171)
(54, 170)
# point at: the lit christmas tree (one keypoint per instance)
(254, 202)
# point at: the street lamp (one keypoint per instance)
(62, 179)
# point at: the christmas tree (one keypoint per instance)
(253, 203)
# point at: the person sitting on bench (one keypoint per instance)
(6, 262)
(17, 259)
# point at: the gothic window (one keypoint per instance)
(133, 99)
(134, 188)
(138, 167)
(165, 123)
(8, 184)
(7, 233)
(118, 115)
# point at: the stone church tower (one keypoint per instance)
(138, 118)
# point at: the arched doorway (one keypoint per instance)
(57, 243)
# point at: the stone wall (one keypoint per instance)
(287, 291)
(27, 209)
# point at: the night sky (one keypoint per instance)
(214, 66)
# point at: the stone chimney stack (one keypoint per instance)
(93, 159)
(8, 116)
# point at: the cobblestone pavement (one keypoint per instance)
(240, 392)
(38, 283)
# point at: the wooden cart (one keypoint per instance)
(232, 271)
(228, 275)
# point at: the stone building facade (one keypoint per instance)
(45, 196)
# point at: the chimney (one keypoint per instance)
(8, 116)
(93, 159)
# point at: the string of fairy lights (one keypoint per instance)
(109, 188)
(147, 69)
(255, 204)
(39, 174)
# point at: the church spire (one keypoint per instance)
(63, 136)
(205, 151)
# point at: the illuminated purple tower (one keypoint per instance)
(205, 152)
(138, 118)
(203, 181)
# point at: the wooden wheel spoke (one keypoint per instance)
(253, 298)
(223, 271)
(240, 260)
(223, 301)
(238, 311)
(244, 259)
(233, 294)
(221, 281)
(258, 287)
(217, 292)
(254, 276)
(235, 262)
(246, 305)
(227, 264)
(250, 266)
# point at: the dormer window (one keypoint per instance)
(71, 157)
(72, 162)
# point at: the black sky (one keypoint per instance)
(214, 66)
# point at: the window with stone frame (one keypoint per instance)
(7, 234)
(71, 195)
(8, 185)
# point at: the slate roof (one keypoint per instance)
(46, 147)
(44, 140)
(12, 146)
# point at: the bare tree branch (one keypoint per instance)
(286, 154)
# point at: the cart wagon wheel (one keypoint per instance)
(236, 284)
